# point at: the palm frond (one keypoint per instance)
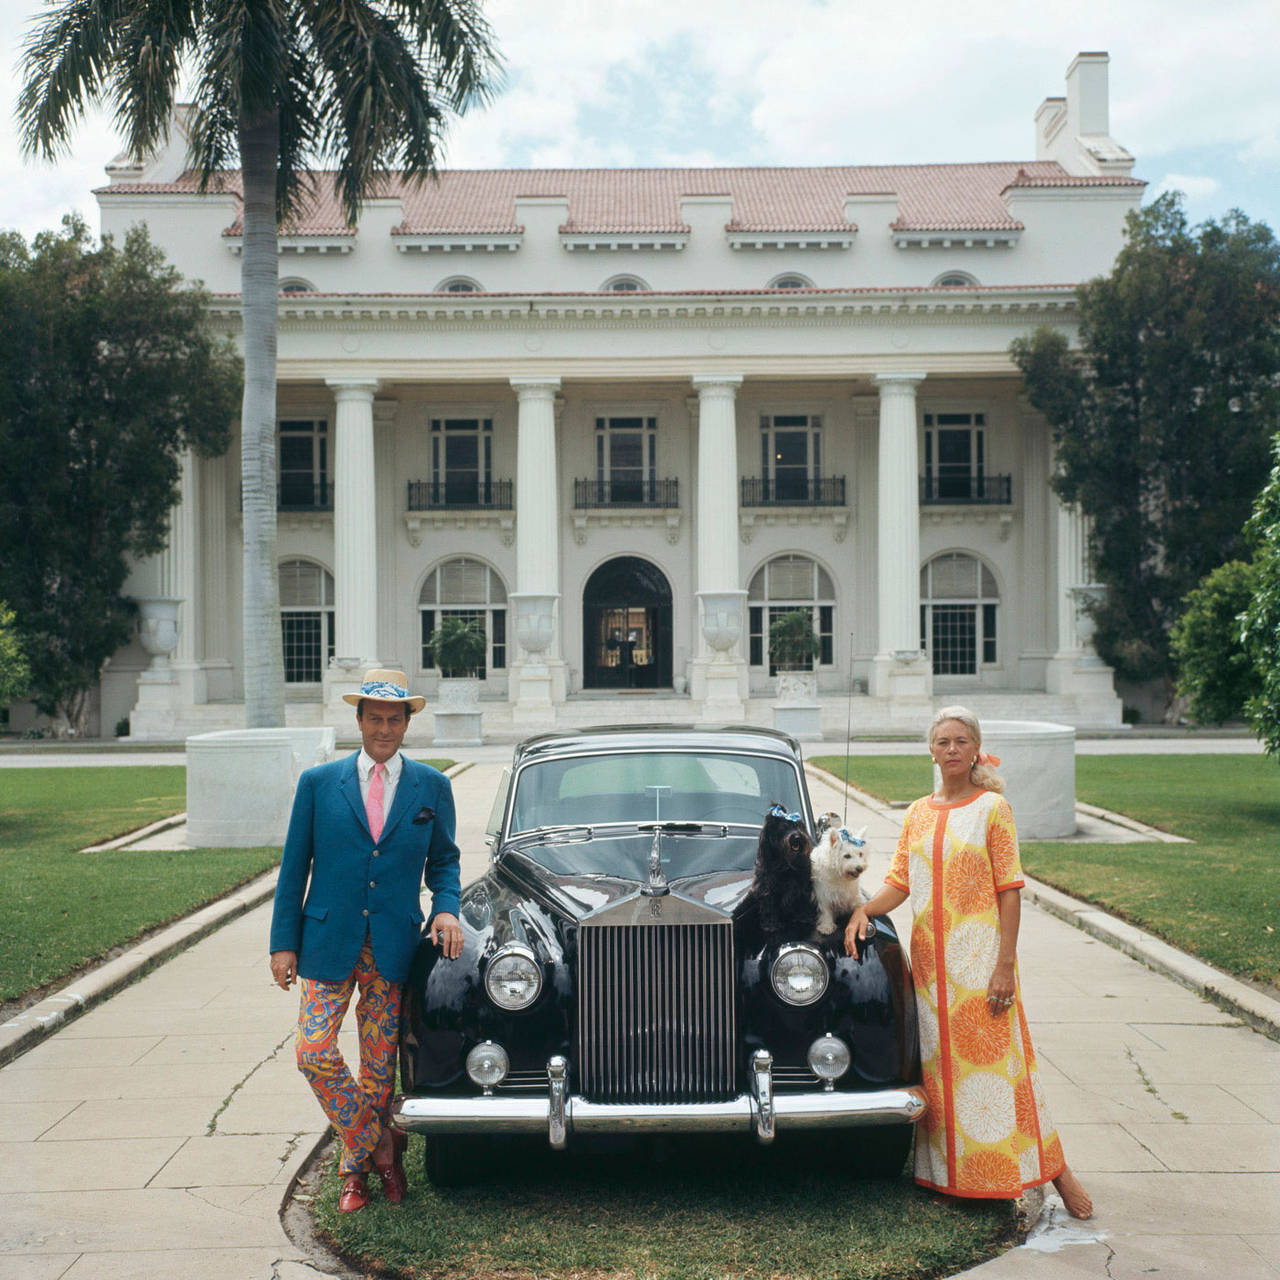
(461, 45)
(67, 59)
(377, 109)
(153, 38)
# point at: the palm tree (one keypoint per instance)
(367, 86)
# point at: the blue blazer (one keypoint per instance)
(356, 884)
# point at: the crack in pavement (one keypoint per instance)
(1150, 1086)
(212, 1126)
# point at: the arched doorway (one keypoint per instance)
(626, 626)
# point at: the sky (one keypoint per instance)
(1195, 91)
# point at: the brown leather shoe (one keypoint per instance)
(394, 1183)
(355, 1193)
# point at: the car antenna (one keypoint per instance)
(848, 734)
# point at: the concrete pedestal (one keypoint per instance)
(722, 703)
(240, 783)
(1038, 765)
(457, 729)
(796, 711)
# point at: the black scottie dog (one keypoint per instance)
(782, 886)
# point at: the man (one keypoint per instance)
(365, 830)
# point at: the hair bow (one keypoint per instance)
(777, 811)
(985, 757)
(849, 838)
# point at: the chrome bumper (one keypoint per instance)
(559, 1113)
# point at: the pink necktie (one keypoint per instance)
(373, 804)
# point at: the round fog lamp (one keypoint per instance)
(799, 974)
(488, 1064)
(513, 979)
(829, 1058)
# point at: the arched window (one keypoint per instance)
(467, 589)
(306, 620)
(791, 281)
(459, 284)
(955, 280)
(296, 284)
(624, 284)
(784, 584)
(959, 605)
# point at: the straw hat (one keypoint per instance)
(386, 686)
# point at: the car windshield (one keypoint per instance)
(653, 786)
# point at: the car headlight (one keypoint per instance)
(487, 1065)
(513, 979)
(799, 974)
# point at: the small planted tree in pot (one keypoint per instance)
(457, 647)
(792, 649)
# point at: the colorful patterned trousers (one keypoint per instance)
(357, 1111)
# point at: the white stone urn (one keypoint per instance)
(722, 621)
(1084, 596)
(534, 620)
(158, 629)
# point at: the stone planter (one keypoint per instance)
(796, 710)
(457, 713)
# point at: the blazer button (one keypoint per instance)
(375, 853)
(373, 884)
(365, 912)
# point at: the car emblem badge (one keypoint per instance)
(655, 908)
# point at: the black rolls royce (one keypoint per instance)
(612, 981)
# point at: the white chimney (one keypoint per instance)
(1076, 130)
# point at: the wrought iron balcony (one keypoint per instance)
(793, 491)
(594, 495)
(304, 493)
(460, 495)
(966, 491)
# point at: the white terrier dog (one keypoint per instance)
(838, 861)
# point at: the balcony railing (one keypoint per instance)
(967, 490)
(303, 493)
(596, 494)
(793, 491)
(460, 495)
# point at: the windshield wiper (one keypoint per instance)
(685, 828)
(552, 835)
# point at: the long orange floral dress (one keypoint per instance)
(987, 1132)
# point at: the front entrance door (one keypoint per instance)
(626, 612)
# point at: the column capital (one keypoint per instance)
(717, 384)
(354, 388)
(535, 388)
(898, 384)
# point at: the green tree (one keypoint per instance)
(1216, 673)
(108, 372)
(1262, 618)
(457, 646)
(1163, 415)
(15, 671)
(793, 645)
(367, 85)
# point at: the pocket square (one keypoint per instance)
(423, 816)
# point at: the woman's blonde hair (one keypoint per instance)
(981, 775)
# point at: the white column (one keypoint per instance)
(537, 679)
(1070, 573)
(719, 681)
(355, 528)
(898, 669)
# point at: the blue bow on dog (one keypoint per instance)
(777, 811)
(851, 839)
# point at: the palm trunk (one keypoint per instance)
(263, 655)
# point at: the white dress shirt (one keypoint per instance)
(364, 770)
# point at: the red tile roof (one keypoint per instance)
(933, 197)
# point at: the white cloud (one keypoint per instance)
(610, 82)
(1198, 188)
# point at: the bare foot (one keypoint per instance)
(1073, 1194)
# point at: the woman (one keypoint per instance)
(987, 1133)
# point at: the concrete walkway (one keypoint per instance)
(157, 1135)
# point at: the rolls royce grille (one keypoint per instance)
(656, 1012)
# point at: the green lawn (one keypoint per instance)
(1218, 898)
(710, 1210)
(61, 909)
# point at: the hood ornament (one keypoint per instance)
(657, 885)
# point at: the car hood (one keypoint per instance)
(580, 892)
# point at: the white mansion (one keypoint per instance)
(623, 418)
